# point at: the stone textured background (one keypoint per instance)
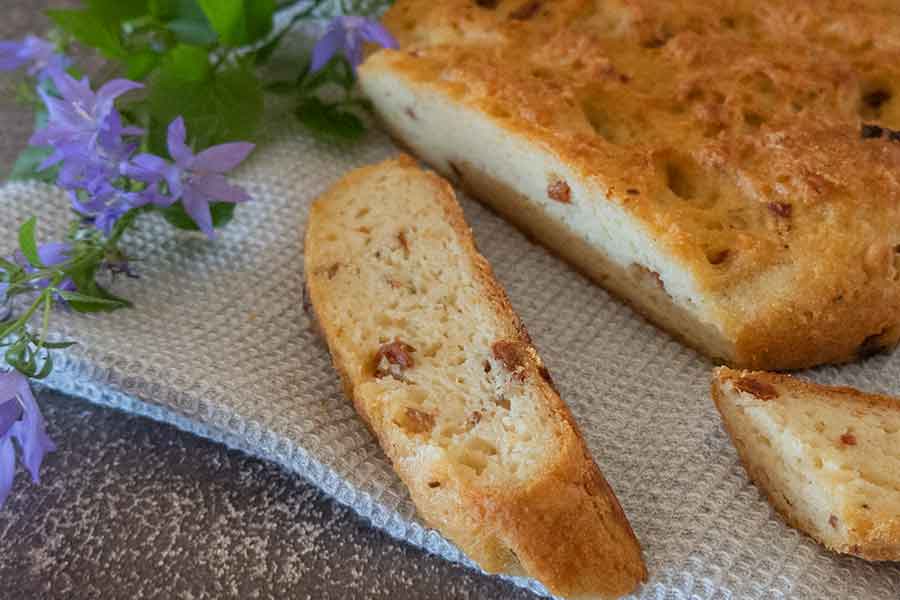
(130, 508)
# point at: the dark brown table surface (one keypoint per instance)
(131, 508)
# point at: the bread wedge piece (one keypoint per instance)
(443, 372)
(827, 457)
(728, 168)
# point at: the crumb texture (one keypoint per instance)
(445, 375)
(827, 457)
(755, 143)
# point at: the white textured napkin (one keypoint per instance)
(218, 344)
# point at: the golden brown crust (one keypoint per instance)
(732, 130)
(874, 541)
(565, 527)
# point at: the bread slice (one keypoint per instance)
(443, 372)
(827, 457)
(728, 168)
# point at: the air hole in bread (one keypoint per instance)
(614, 131)
(679, 181)
(717, 256)
(877, 103)
(754, 120)
(689, 181)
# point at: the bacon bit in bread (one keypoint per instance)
(411, 113)
(871, 132)
(330, 271)
(474, 419)
(833, 521)
(393, 359)
(781, 209)
(417, 421)
(757, 388)
(559, 190)
(404, 243)
(434, 484)
(848, 439)
(487, 366)
(526, 11)
(719, 257)
(513, 355)
(633, 192)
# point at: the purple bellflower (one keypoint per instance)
(80, 117)
(347, 35)
(40, 53)
(90, 140)
(20, 420)
(196, 180)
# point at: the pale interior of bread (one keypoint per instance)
(512, 174)
(829, 461)
(458, 416)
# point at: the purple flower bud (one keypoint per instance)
(347, 35)
(20, 420)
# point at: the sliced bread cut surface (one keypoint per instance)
(443, 372)
(729, 168)
(827, 457)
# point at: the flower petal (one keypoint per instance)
(221, 158)
(108, 93)
(175, 140)
(7, 468)
(72, 90)
(327, 46)
(216, 188)
(375, 32)
(10, 411)
(197, 207)
(10, 57)
(30, 431)
(54, 253)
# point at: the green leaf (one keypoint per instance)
(188, 63)
(191, 31)
(47, 367)
(140, 64)
(90, 30)
(28, 243)
(239, 22)
(227, 107)
(330, 121)
(58, 345)
(85, 299)
(222, 213)
(287, 86)
(83, 274)
(116, 11)
(27, 163)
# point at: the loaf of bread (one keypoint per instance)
(731, 169)
(442, 371)
(827, 457)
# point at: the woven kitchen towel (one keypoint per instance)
(219, 344)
